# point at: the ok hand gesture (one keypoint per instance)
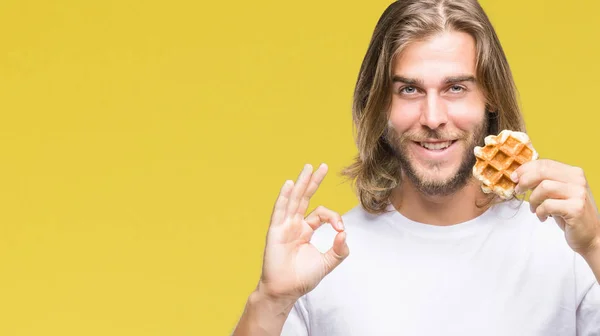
(292, 266)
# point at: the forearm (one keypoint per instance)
(262, 316)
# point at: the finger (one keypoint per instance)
(548, 189)
(313, 185)
(323, 215)
(298, 190)
(337, 253)
(280, 205)
(531, 173)
(553, 207)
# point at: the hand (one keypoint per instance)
(562, 191)
(292, 266)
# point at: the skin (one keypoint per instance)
(436, 97)
(427, 110)
(292, 266)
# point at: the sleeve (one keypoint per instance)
(297, 323)
(588, 296)
(588, 313)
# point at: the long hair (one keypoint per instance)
(376, 171)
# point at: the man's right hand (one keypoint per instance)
(292, 266)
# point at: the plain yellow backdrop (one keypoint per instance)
(144, 142)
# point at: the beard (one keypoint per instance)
(427, 183)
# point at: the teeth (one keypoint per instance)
(436, 146)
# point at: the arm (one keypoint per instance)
(592, 258)
(263, 316)
(292, 266)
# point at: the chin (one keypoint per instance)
(438, 178)
(434, 180)
(436, 171)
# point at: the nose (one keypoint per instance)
(434, 113)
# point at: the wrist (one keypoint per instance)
(591, 255)
(269, 303)
(592, 252)
(263, 315)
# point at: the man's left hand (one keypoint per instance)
(562, 191)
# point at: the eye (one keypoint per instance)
(408, 90)
(456, 89)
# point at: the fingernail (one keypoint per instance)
(514, 177)
(341, 225)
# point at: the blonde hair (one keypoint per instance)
(375, 170)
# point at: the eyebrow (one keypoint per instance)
(447, 80)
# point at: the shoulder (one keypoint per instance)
(517, 215)
(521, 229)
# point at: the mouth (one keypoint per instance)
(437, 146)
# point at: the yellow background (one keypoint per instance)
(143, 143)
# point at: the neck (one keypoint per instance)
(439, 210)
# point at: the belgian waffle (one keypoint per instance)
(501, 155)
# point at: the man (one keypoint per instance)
(431, 253)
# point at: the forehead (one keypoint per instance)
(444, 54)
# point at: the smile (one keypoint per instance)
(437, 146)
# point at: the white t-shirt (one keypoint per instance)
(503, 273)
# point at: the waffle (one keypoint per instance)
(501, 155)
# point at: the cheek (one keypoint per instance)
(467, 116)
(403, 115)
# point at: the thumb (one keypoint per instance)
(337, 253)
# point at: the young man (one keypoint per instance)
(431, 253)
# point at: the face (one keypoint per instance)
(437, 112)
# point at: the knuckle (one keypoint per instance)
(338, 255)
(327, 211)
(535, 196)
(543, 166)
(539, 208)
(581, 194)
(579, 176)
(579, 207)
(525, 180)
(305, 199)
(321, 209)
(540, 212)
(331, 259)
